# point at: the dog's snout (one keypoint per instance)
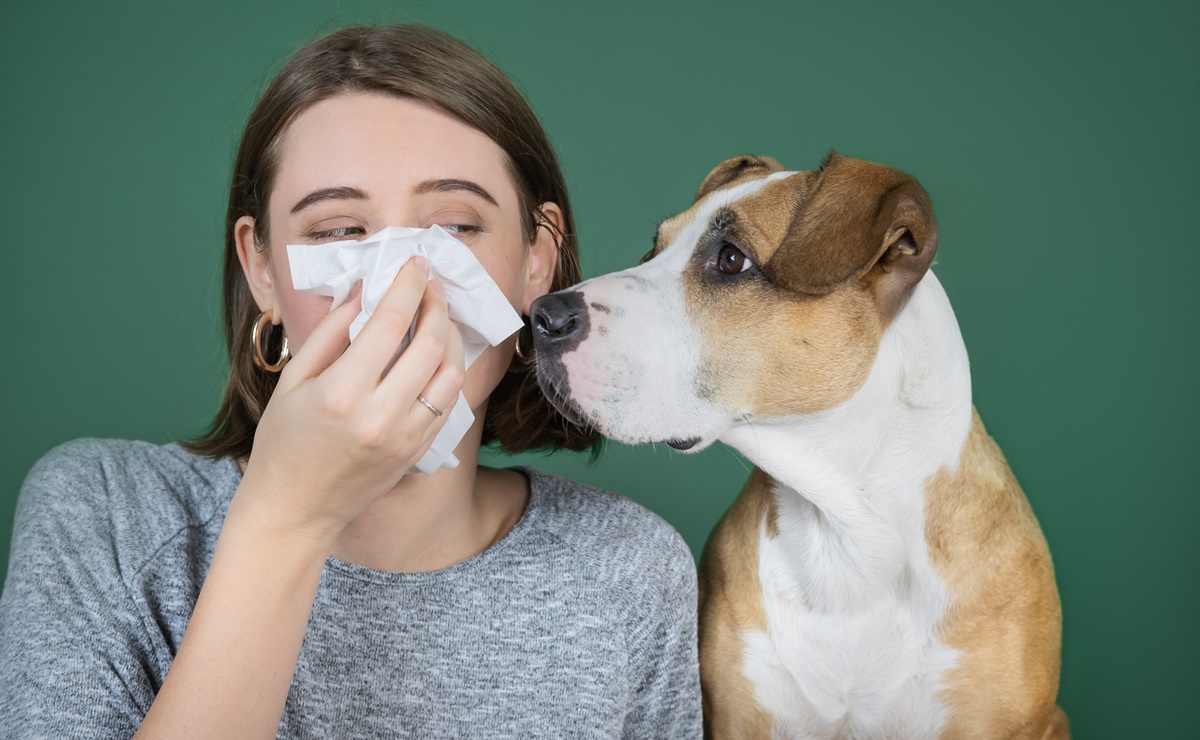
(559, 317)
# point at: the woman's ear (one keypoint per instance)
(255, 265)
(543, 253)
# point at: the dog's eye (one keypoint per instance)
(732, 260)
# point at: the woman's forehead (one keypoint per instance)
(386, 145)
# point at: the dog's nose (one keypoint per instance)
(559, 317)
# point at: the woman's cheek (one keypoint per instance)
(301, 314)
(506, 266)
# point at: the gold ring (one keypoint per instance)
(436, 411)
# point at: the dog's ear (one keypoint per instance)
(737, 168)
(856, 218)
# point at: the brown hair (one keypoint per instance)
(417, 62)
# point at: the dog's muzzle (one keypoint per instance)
(560, 324)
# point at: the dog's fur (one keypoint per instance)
(881, 574)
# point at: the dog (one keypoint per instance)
(881, 574)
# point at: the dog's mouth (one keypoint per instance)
(552, 379)
(561, 402)
(682, 444)
(565, 408)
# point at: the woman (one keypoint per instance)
(284, 574)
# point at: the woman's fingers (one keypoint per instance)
(415, 366)
(376, 345)
(440, 394)
(442, 389)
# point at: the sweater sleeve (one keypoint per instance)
(75, 659)
(664, 654)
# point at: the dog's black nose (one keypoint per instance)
(559, 318)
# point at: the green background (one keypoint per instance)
(1059, 142)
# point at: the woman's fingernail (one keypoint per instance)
(422, 264)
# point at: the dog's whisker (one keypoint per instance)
(735, 456)
(746, 419)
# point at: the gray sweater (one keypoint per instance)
(580, 623)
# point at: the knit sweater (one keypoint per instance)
(580, 623)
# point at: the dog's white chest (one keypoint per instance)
(870, 670)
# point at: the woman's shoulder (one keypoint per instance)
(115, 468)
(137, 494)
(609, 529)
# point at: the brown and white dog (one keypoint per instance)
(881, 574)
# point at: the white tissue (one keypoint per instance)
(476, 304)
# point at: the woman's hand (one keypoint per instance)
(334, 437)
(337, 433)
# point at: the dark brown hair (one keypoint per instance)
(417, 62)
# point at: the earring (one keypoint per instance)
(256, 333)
(525, 356)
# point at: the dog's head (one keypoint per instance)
(768, 297)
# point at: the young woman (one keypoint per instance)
(284, 574)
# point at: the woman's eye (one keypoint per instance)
(731, 260)
(461, 229)
(338, 234)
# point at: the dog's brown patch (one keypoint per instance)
(1005, 618)
(853, 218)
(771, 354)
(730, 172)
(731, 601)
(738, 169)
(838, 251)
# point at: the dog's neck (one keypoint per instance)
(852, 478)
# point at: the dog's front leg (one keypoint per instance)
(730, 605)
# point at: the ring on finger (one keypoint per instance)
(425, 402)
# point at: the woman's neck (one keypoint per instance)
(430, 522)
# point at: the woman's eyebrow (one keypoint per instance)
(317, 196)
(446, 186)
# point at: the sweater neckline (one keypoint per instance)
(476, 562)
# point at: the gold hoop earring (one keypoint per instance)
(524, 356)
(256, 333)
